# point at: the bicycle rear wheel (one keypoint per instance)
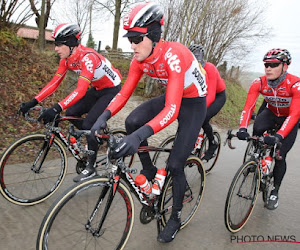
(208, 165)
(72, 221)
(161, 158)
(195, 184)
(242, 196)
(22, 180)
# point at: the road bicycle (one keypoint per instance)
(99, 213)
(252, 177)
(201, 146)
(33, 167)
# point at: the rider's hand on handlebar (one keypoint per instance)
(272, 140)
(100, 124)
(242, 134)
(25, 106)
(49, 114)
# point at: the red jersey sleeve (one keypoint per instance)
(88, 65)
(55, 82)
(134, 75)
(250, 103)
(174, 91)
(294, 112)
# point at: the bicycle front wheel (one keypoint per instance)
(208, 165)
(241, 197)
(73, 221)
(249, 151)
(31, 171)
(195, 184)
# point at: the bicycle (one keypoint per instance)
(33, 167)
(201, 146)
(250, 179)
(100, 212)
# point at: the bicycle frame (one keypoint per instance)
(121, 172)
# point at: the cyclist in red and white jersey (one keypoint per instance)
(215, 99)
(175, 67)
(281, 92)
(94, 71)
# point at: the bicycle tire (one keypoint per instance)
(19, 183)
(208, 165)
(248, 152)
(242, 196)
(64, 226)
(160, 158)
(195, 177)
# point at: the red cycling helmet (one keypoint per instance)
(67, 34)
(139, 18)
(278, 55)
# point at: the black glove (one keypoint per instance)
(25, 106)
(272, 140)
(49, 114)
(242, 134)
(129, 145)
(100, 124)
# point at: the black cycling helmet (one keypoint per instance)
(67, 34)
(198, 51)
(144, 18)
(278, 55)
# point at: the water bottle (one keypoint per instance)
(269, 161)
(73, 141)
(199, 141)
(143, 183)
(264, 167)
(159, 181)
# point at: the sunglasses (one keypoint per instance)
(137, 39)
(272, 65)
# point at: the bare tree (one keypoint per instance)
(42, 16)
(74, 11)
(116, 8)
(228, 29)
(14, 11)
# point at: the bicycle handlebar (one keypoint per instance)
(260, 139)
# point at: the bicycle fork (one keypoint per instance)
(109, 190)
(43, 153)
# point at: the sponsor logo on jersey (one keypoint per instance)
(173, 61)
(199, 78)
(169, 115)
(285, 123)
(71, 98)
(297, 85)
(109, 72)
(88, 63)
(242, 116)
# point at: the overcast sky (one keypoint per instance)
(282, 16)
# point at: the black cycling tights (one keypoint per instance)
(190, 119)
(93, 103)
(212, 110)
(268, 120)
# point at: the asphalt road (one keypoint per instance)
(19, 225)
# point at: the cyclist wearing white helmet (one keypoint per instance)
(215, 99)
(281, 92)
(94, 70)
(175, 67)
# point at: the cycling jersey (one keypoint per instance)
(174, 66)
(215, 84)
(282, 101)
(92, 68)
